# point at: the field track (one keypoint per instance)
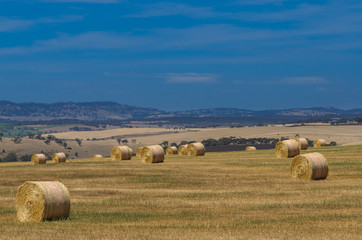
(230, 195)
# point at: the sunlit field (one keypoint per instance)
(231, 195)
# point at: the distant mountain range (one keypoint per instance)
(91, 111)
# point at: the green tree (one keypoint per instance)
(25, 158)
(11, 157)
(164, 144)
(16, 140)
(79, 141)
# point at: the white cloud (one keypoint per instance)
(190, 78)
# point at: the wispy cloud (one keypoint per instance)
(260, 2)
(191, 78)
(304, 80)
(8, 24)
(84, 1)
(93, 40)
(311, 80)
(212, 36)
(299, 13)
(171, 9)
(154, 40)
(68, 18)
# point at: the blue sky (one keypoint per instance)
(175, 55)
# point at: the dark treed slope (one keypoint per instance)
(111, 110)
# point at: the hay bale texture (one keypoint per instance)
(182, 150)
(130, 151)
(320, 143)
(59, 157)
(303, 143)
(40, 201)
(139, 151)
(250, 148)
(195, 149)
(39, 159)
(310, 166)
(121, 153)
(171, 150)
(152, 154)
(97, 156)
(287, 148)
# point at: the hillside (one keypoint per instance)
(70, 110)
(95, 111)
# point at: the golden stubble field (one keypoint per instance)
(233, 195)
(343, 135)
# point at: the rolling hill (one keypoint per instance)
(95, 111)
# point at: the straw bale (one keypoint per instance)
(59, 157)
(42, 200)
(195, 149)
(303, 143)
(130, 151)
(97, 156)
(287, 148)
(171, 150)
(250, 148)
(139, 151)
(152, 154)
(39, 159)
(182, 150)
(320, 143)
(121, 153)
(310, 166)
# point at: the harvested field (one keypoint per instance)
(231, 195)
(343, 135)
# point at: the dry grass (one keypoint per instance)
(235, 195)
(346, 135)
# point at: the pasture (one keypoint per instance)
(232, 195)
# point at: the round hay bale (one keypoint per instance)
(40, 201)
(39, 159)
(195, 149)
(121, 153)
(139, 151)
(171, 150)
(310, 166)
(287, 149)
(320, 143)
(59, 157)
(303, 143)
(250, 148)
(182, 150)
(97, 156)
(152, 154)
(130, 151)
